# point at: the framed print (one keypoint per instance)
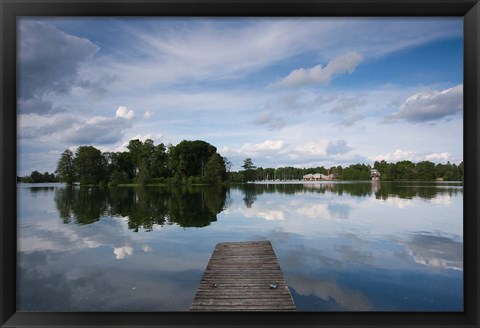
(224, 163)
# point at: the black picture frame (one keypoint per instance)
(10, 10)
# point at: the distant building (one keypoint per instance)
(318, 177)
(308, 177)
(375, 174)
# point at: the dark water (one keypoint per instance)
(342, 246)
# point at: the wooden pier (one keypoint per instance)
(243, 276)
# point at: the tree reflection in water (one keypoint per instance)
(380, 190)
(144, 207)
(84, 205)
(198, 206)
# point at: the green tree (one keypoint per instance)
(65, 168)
(148, 153)
(143, 175)
(236, 177)
(449, 176)
(228, 164)
(249, 173)
(89, 165)
(357, 172)
(47, 177)
(36, 177)
(149, 161)
(215, 171)
(248, 164)
(120, 167)
(144, 160)
(135, 148)
(125, 165)
(405, 170)
(160, 158)
(269, 173)
(339, 171)
(425, 170)
(440, 170)
(387, 170)
(259, 174)
(189, 158)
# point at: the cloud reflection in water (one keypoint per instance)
(341, 247)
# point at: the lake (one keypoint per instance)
(342, 246)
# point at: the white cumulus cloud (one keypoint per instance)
(405, 155)
(266, 146)
(397, 155)
(439, 157)
(123, 112)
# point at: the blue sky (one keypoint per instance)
(284, 91)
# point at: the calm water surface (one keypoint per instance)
(342, 246)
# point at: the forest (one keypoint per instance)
(198, 162)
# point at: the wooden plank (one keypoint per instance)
(238, 278)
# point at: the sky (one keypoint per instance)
(302, 92)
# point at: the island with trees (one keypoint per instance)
(189, 162)
(198, 162)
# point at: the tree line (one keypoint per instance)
(143, 163)
(402, 170)
(37, 177)
(198, 162)
(424, 170)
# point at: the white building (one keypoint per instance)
(318, 177)
(375, 174)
